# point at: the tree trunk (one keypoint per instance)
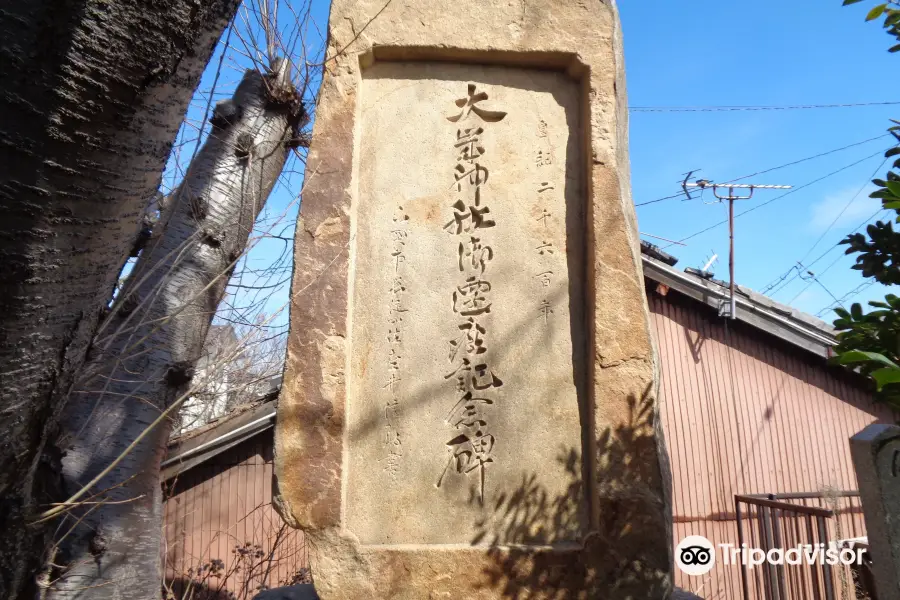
(92, 93)
(142, 359)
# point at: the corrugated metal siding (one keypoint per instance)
(744, 413)
(222, 509)
(795, 529)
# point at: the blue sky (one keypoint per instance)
(769, 52)
(705, 53)
(259, 290)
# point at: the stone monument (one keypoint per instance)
(876, 459)
(469, 406)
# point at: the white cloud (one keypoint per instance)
(824, 212)
(810, 300)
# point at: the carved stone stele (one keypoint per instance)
(876, 459)
(469, 406)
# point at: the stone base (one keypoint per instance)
(469, 403)
(348, 572)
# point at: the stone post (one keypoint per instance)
(469, 406)
(876, 458)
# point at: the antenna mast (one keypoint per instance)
(731, 197)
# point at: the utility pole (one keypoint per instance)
(731, 197)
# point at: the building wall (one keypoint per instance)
(744, 413)
(221, 510)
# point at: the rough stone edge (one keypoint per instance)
(865, 447)
(630, 373)
(633, 230)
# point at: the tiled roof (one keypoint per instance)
(792, 325)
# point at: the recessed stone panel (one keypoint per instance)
(467, 315)
(469, 403)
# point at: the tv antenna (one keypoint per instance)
(731, 196)
(711, 261)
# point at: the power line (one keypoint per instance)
(796, 189)
(660, 199)
(782, 277)
(858, 289)
(659, 238)
(813, 279)
(823, 271)
(797, 162)
(790, 164)
(830, 250)
(822, 285)
(799, 263)
(843, 210)
(741, 108)
(835, 172)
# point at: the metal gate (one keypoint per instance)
(808, 521)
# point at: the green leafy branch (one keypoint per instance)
(891, 18)
(870, 342)
(879, 249)
(886, 373)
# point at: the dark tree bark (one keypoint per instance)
(142, 358)
(91, 96)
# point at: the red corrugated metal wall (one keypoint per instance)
(221, 510)
(745, 413)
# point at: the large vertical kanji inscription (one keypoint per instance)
(469, 402)
(466, 372)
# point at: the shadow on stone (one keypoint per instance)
(614, 559)
(304, 591)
